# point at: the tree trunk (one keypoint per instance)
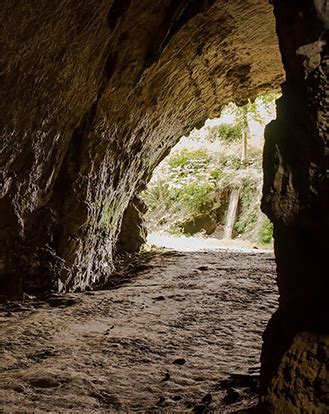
(231, 213)
(244, 146)
(245, 136)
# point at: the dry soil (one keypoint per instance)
(177, 333)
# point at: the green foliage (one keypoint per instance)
(251, 110)
(246, 222)
(226, 133)
(266, 232)
(193, 184)
(249, 208)
(158, 194)
(195, 197)
(186, 160)
(186, 191)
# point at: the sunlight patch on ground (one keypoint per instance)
(193, 244)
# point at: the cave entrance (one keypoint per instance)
(206, 193)
(94, 95)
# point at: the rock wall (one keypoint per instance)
(301, 383)
(296, 196)
(133, 231)
(94, 95)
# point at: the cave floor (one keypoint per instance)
(181, 333)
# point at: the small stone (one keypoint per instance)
(109, 330)
(166, 377)
(180, 361)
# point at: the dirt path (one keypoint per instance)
(196, 243)
(181, 336)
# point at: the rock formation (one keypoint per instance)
(301, 383)
(95, 93)
(296, 195)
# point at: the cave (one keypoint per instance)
(95, 94)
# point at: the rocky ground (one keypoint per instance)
(179, 333)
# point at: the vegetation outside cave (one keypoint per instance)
(210, 185)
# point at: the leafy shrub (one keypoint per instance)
(190, 184)
(158, 195)
(249, 204)
(194, 197)
(246, 222)
(197, 182)
(186, 191)
(186, 161)
(266, 232)
(226, 133)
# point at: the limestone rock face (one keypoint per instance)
(201, 223)
(133, 232)
(94, 94)
(301, 384)
(296, 187)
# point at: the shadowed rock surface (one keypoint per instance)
(302, 381)
(296, 196)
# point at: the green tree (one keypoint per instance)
(244, 114)
(225, 132)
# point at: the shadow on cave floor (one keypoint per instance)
(180, 333)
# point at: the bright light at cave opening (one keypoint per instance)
(206, 194)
